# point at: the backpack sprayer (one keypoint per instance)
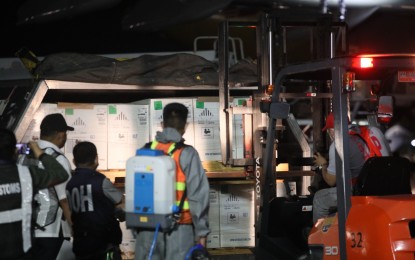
(150, 194)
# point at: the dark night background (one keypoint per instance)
(101, 28)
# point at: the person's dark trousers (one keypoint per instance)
(47, 248)
(27, 256)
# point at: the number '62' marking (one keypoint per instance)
(357, 239)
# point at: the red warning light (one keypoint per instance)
(366, 63)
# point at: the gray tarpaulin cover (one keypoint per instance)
(180, 69)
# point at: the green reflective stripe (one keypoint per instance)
(171, 148)
(185, 204)
(154, 144)
(180, 186)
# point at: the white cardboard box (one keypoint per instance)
(237, 215)
(207, 131)
(128, 130)
(90, 123)
(156, 107)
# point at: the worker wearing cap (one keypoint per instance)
(326, 199)
(49, 239)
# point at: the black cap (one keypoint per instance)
(54, 122)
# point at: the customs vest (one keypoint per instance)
(17, 212)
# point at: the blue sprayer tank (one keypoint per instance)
(150, 193)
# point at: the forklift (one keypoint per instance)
(374, 220)
(377, 212)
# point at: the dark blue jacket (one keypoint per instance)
(93, 217)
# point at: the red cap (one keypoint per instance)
(329, 122)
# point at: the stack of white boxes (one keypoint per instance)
(118, 130)
(231, 216)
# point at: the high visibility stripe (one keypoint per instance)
(154, 145)
(171, 148)
(10, 216)
(26, 207)
(180, 186)
(185, 204)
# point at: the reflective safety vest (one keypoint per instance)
(374, 140)
(175, 150)
(24, 213)
(46, 199)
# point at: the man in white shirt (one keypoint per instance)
(49, 238)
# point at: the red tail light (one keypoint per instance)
(363, 63)
(366, 63)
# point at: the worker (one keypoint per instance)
(191, 184)
(93, 199)
(326, 199)
(55, 226)
(18, 183)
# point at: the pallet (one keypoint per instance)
(231, 254)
